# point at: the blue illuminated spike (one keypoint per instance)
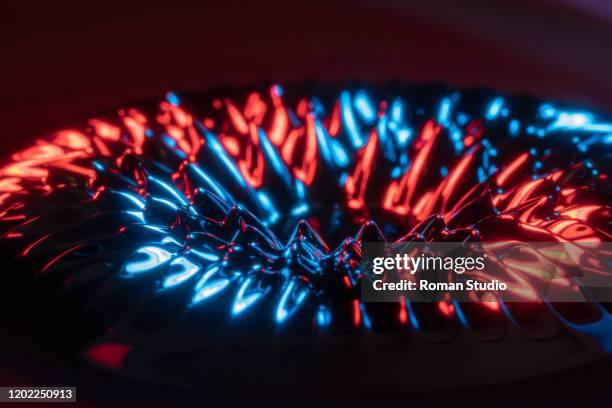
(267, 205)
(170, 142)
(207, 256)
(342, 159)
(456, 134)
(217, 148)
(342, 179)
(282, 311)
(300, 209)
(205, 289)
(579, 121)
(211, 184)
(242, 302)
(322, 138)
(323, 316)
(364, 106)
(155, 256)
(598, 127)
(137, 214)
(174, 192)
(494, 108)
(166, 203)
(274, 158)
(300, 189)
(397, 111)
(173, 99)
(507, 313)
(412, 317)
(444, 112)
(572, 120)
(349, 120)
(385, 140)
(156, 228)
(98, 166)
(482, 176)
(365, 318)
(403, 136)
(140, 203)
(187, 270)
(460, 314)
(170, 240)
(547, 111)
(514, 127)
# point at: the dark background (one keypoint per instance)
(62, 61)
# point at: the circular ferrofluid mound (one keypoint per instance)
(215, 238)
